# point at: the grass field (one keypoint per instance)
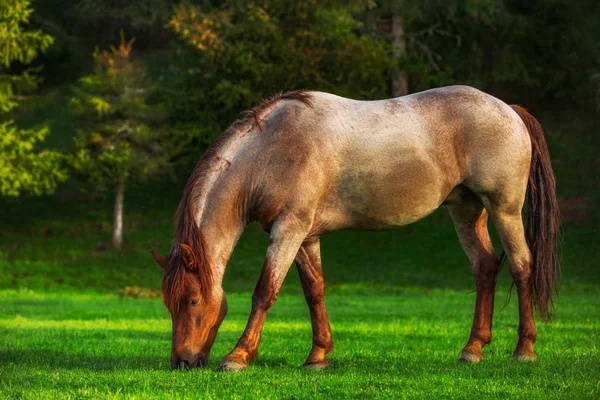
(404, 345)
(400, 304)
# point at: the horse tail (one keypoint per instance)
(543, 220)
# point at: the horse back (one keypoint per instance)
(378, 164)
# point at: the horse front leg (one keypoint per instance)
(287, 235)
(308, 262)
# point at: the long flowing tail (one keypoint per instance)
(543, 220)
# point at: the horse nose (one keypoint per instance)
(202, 361)
(181, 364)
(187, 359)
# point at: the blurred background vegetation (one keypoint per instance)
(106, 105)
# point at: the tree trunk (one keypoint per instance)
(117, 239)
(399, 80)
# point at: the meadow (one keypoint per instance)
(73, 345)
(78, 320)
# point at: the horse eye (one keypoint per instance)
(194, 302)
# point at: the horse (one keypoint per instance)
(306, 163)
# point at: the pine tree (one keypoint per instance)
(22, 168)
(123, 139)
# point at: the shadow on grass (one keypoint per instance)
(59, 360)
(417, 365)
(84, 309)
(85, 349)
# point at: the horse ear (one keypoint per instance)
(188, 256)
(160, 259)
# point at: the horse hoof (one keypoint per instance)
(316, 365)
(523, 357)
(231, 366)
(469, 357)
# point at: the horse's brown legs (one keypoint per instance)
(308, 261)
(286, 239)
(470, 221)
(510, 229)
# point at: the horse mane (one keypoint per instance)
(173, 280)
(256, 114)
(187, 231)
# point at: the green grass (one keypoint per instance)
(395, 346)
(400, 303)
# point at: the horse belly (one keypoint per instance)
(380, 195)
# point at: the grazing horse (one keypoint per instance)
(306, 163)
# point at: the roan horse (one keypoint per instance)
(306, 163)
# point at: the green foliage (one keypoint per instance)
(123, 135)
(240, 52)
(20, 45)
(225, 56)
(547, 46)
(16, 44)
(22, 168)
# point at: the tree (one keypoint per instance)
(238, 52)
(123, 139)
(540, 49)
(22, 168)
(387, 22)
(399, 80)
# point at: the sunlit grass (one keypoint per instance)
(405, 345)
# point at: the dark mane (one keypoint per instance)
(173, 280)
(187, 230)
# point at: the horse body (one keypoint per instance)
(377, 164)
(309, 163)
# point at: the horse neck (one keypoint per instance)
(221, 236)
(221, 223)
(216, 197)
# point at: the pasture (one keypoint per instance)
(402, 345)
(400, 304)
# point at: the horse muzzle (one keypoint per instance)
(184, 363)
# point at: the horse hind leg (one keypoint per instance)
(470, 221)
(509, 225)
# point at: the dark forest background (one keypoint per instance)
(106, 105)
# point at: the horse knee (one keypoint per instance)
(520, 267)
(264, 298)
(314, 288)
(485, 270)
(315, 296)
